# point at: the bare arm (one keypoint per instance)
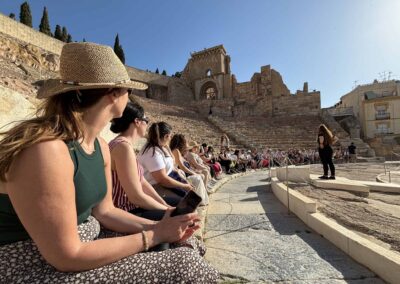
(149, 189)
(194, 163)
(162, 178)
(178, 159)
(107, 214)
(41, 189)
(126, 166)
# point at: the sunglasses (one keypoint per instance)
(145, 119)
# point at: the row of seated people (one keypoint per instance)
(59, 222)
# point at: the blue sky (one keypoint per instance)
(330, 44)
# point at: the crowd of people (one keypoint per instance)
(74, 208)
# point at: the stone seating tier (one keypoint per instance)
(277, 132)
(184, 120)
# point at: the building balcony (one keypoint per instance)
(382, 116)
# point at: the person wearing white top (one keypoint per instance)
(158, 163)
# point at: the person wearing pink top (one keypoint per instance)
(131, 191)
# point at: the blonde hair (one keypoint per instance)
(328, 136)
(58, 117)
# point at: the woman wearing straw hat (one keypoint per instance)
(55, 188)
(197, 163)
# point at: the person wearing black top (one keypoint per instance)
(352, 152)
(325, 139)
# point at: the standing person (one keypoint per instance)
(325, 140)
(131, 191)
(224, 141)
(352, 152)
(55, 189)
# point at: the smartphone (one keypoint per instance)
(188, 204)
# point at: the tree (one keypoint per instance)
(25, 16)
(44, 26)
(118, 50)
(69, 39)
(58, 33)
(178, 74)
(12, 16)
(84, 40)
(157, 72)
(64, 34)
(164, 73)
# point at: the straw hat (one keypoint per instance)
(86, 65)
(192, 144)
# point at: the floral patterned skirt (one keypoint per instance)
(21, 262)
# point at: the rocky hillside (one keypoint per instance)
(21, 65)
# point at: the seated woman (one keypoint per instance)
(197, 163)
(159, 165)
(210, 159)
(178, 146)
(55, 189)
(225, 161)
(131, 191)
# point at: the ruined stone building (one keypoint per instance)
(208, 85)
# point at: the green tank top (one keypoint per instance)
(90, 189)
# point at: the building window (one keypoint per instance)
(208, 73)
(382, 114)
(382, 129)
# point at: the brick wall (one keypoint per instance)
(22, 32)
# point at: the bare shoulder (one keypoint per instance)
(52, 148)
(47, 158)
(105, 150)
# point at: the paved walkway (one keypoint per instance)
(251, 238)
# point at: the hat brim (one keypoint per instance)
(192, 146)
(54, 87)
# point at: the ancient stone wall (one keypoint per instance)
(20, 31)
(297, 104)
(179, 92)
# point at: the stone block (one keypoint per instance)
(382, 261)
(295, 173)
(382, 187)
(329, 229)
(341, 184)
(298, 203)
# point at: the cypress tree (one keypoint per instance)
(157, 72)
(25, 16)
(12, 16)
(84, 40)
(69, 39)
(164, 73)
(44, 26)
(64, 34)
(118, 50)
(58, 33)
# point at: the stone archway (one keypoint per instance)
(209, 91)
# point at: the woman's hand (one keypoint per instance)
(177, 228)
(188, 186)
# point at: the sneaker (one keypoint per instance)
(323, 177)
(332, 177)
